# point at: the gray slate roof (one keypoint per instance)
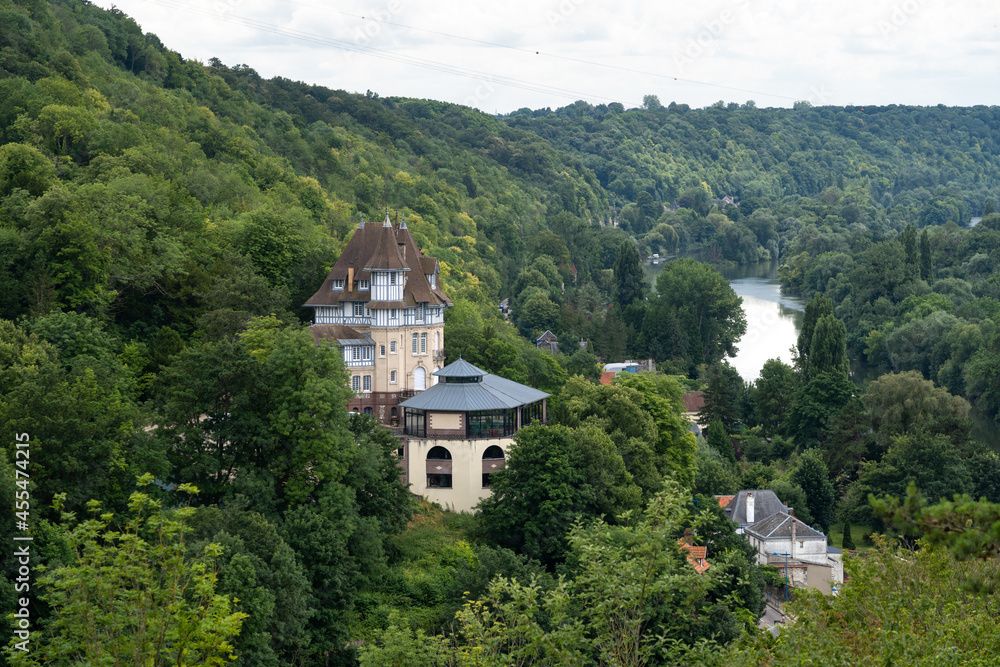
(492, 393)
(765, 504)
(460, 369)
(779, 526)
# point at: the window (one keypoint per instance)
(359, 309)
(415, 339)
(355, 353)
(493, 452)
(356, 383)
(439, 481)
(364, 284)
(423, 343)
(368, 411)
(487, 482)
(392, 378)
(366, 353)
(381, 350)
(338, 284)
(368, 383)
(392, 314)
(438, 454)
(433, 280)
(392, 278)
(392, 347)
(415, 423)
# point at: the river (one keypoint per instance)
(773, 318)
(773, 323)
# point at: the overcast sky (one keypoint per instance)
(501, 56)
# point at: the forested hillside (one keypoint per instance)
(162, 220)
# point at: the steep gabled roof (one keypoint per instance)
(765, 504)
(381, 247)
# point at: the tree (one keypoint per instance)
(909, 239)
(134, 594)
(811, 474)
(947, 620)
(674, 446)
(723, 396)
(554, 476)
(848, 542)
(929, 461)
(709, 311)
(630, 286)
(828, 348)
(817, 307)
(816, 403)
(771, 395)
(926, 269)
(720, 441)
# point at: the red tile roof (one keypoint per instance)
(696, 556)
(693, 401)
(607, 377)
(724, 500)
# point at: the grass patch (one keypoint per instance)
(857, 532)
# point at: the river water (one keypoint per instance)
(773, 318)
(773, 323)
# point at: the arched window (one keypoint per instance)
(492, 463)
(439, 454)
(368, 411)
(419, 379)
(438, 471)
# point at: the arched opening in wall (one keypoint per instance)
(368, 411)
(493, 462)
(394, 416)
(438, 468)
(419, 379)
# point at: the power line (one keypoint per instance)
(592, 63)
(386, 55)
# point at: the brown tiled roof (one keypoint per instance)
(332, 333)
(724, 500)
(374, 246)
(696, 556)
(386, 254)
(693, 401)
(607, 377)
(385, 304)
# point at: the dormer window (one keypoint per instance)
(338, 284)
(392, 277)
(433, 279)
(364, 285)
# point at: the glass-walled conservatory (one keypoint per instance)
(468, 402)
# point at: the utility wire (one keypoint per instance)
(380, 53)
(592, 63)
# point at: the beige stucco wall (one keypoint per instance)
(466, 465)
(403, 361)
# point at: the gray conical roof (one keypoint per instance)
(460, 369)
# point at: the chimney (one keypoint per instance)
(749, 507)
(793, 537)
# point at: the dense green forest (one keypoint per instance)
(196, 483)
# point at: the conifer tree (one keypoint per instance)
(848, 541)
(925, 257)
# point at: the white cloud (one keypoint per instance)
(858, 51)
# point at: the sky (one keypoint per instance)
(502, 56)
